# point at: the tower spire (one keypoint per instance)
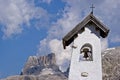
(92, 7)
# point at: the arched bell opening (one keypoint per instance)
(86, 53)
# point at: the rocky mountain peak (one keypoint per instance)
(47, 60)
(111, 64)
(35, 64)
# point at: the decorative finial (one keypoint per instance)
(92, 7)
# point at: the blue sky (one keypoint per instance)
(36, 27)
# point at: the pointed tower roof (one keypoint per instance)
(89, 19)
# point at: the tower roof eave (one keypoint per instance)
(90, 18)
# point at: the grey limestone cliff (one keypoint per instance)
(35, 65)
(111, 64)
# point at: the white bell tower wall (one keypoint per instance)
(86, 70)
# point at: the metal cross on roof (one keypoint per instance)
(92, 7)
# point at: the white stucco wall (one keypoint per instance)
(93, 68)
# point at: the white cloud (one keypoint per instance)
(104, 44)
(46, 1)
(42, 18)
(43, 47)
(62, 55)
(55, 46)
(14, 13)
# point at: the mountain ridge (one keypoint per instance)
(45, 67)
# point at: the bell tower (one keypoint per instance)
(86, 56)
